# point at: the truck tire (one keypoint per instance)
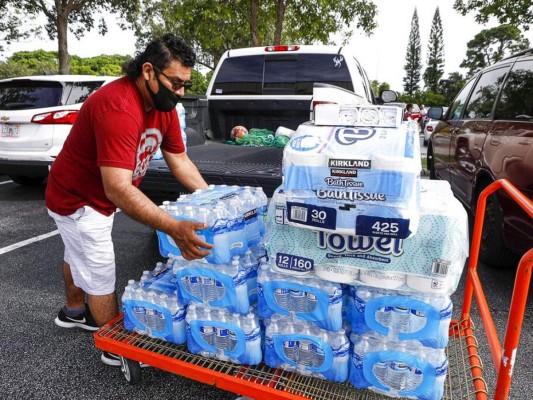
(27, 180)
(493, 251)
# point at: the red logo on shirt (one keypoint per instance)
(148, 145)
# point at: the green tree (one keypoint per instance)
(435, 60)
(491, 45)
(14, 24)
(35, 62)
(450, 86)
(378, 87)
(77, 16)
(516, 12)
(413, 63)
(214, 26)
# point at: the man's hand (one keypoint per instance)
(184, 235)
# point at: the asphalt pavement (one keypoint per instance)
(42, 361)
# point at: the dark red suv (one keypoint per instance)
(487, 134)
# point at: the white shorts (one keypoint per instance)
(88, 249)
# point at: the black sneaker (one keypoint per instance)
(84, 321)
(110, 359)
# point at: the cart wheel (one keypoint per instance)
(131, 370)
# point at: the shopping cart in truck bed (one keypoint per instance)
(465, 377)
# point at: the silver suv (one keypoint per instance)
(36, 115)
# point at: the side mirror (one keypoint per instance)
(388, 96)
(435, 113)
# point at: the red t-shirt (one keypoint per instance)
(114, 130)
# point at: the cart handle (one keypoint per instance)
(503, 361)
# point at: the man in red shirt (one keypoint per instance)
(118, 130)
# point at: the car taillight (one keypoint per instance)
(56, 117)
(430, 128)
(316, 103)
(282, 48)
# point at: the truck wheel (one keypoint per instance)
(131, 370)
(27, 180)
(493, 251)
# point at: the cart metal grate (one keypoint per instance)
(262, 380)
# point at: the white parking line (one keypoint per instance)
(28, 241)
(3, 183)
(33, 240)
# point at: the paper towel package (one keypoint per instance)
(431, 261)
(354, 180)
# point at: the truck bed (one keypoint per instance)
(221, 163)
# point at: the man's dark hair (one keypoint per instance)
(160, 52)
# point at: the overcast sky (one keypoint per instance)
(382, 54)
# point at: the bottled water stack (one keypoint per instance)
(400, 316)
(397, 369)
(218, 333)
(297, 345)
(214, 285)
(153, 313)
(235, 217)
(309, 299)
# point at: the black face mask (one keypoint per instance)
(165, 99)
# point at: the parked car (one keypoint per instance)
(430, 125)
(36, 115)
(415, 113)
(487, 134)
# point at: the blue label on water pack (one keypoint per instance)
(294, 263)
(379, 226)
(311, 215)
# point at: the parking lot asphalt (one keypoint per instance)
(42, 361)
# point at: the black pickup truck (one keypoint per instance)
(262, 88)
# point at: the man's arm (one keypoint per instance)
(184, 170)
(119, 189)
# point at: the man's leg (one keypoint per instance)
(75, 295)
(103, 307)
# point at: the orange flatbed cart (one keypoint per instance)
(465, 370)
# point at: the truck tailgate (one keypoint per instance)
(220, 164)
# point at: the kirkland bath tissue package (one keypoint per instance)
(362, 180)
(431, 261)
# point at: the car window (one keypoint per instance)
(459, 102)
(79, 91)
(282, 74)
(485, 93)
(516, 100)
(28, 94)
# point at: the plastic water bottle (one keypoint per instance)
(297, 300)
(282, 297)
(221, 333)
(397, 374)
(139, 311)
(234, 318)
(306, 349)
(151, 319)
(209, 289)
(290, 346)
(160, 320)
(340, 346)
(400, 319)
(252, 331)
(207, 331)
(195, 287)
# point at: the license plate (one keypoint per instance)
(10, 130)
